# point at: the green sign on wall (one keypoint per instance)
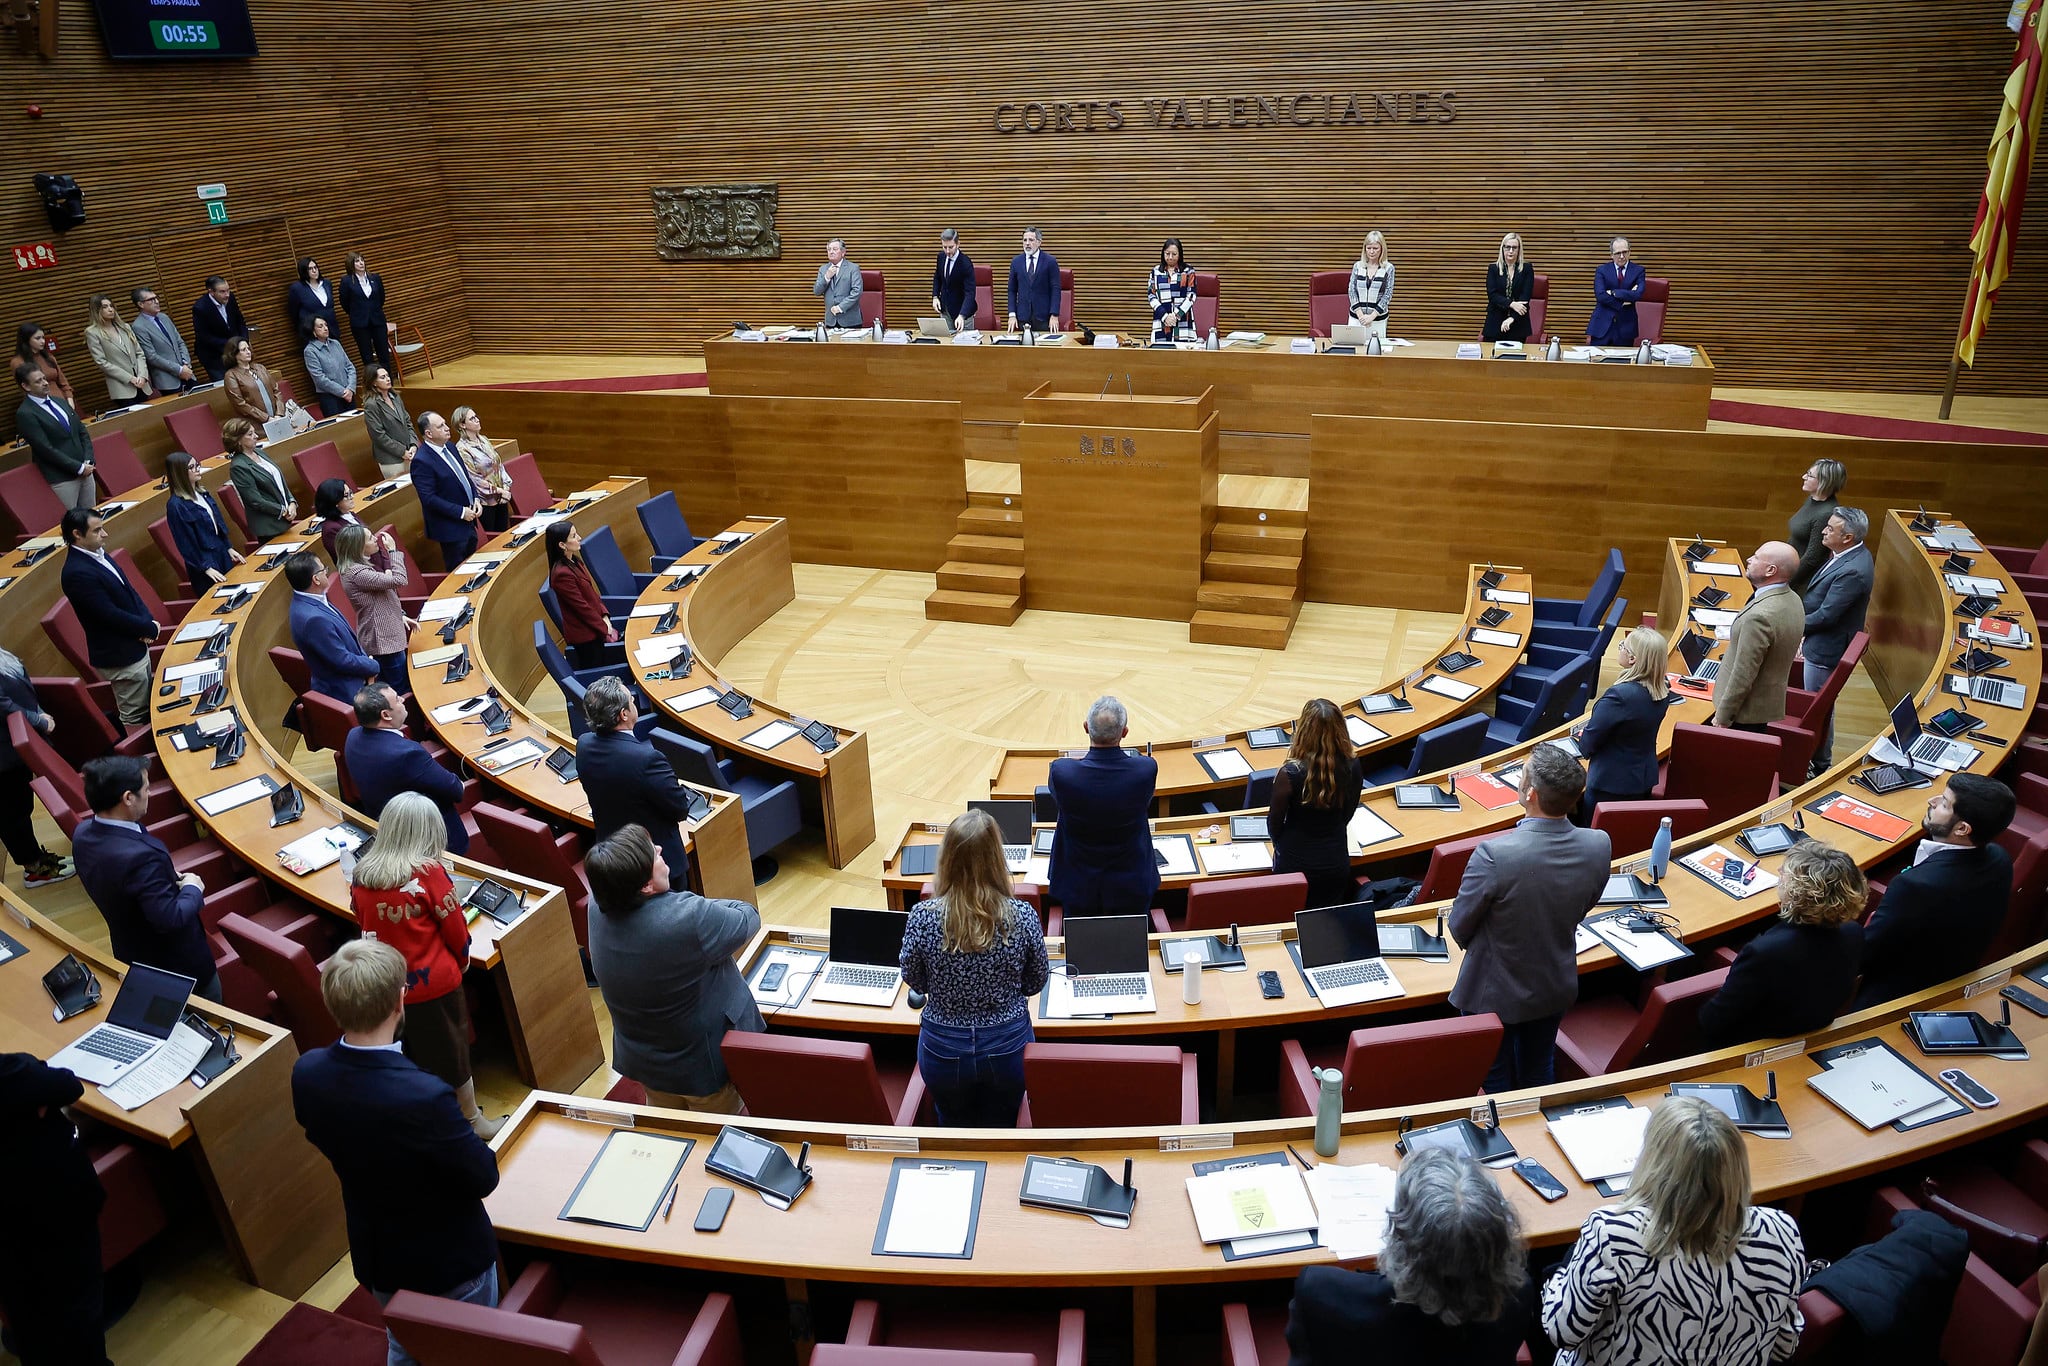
(217, 211)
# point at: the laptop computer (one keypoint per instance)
(1922, 747)
(1013, 819)
(934, 327)
(1340, 955)
(1107, 970)
(862, 966)
(2001, 692)
(1349, 334)
(1693, 647)
(145, 1011)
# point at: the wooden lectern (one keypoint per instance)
(1119, 500)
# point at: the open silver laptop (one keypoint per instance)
(2001, 692)
(1108, 970)
(1348, 334)
(1924, 749)
(1013, 820)
(1340, 955)
(935, 327)
(145, 1011)
(863, 965)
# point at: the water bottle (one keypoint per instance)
(1660, 850)
(1329, 1110)
(878, 329)
(819, 334)
(1027, 334)
(1643, 354)
(1555, 351)
(1372, 344)
(1191, 974)
(1212, 339)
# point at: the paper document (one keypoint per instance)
(440, 654)
(1224, 763)
(1365, 828)
(311, 853)
(654, 656)
(1642, 951)
(485, 559)
(1179, 852)
(1714, 618)
(1504, 595)
(281, 547)
(193, 670)
(452, 711)
(1711, 862)
(443, 609)
(166, 1067)
(1971, 585)
(1249, 857)
(228, 798)
(652, 609)
(1715, 567)
(695, 697)
(661, 647)
(1449, 687)
(1482, 635)
(1583, 939)
(733, 536)
(198, 630)
(629, 1180)
(1361, 732)
(1242, 1202)
(770, 735)
(1351, 1207)
(1875, 1087)
(931, 1212)
(1602, 1143)
(505, 758)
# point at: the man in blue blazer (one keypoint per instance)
(413, 1172)
(627, 780)
(1617, 287)
(1034, 289)
(1102, 859)
(384, 761)
(448, 499)
(1836, 599)
(118, 627)
(322, 634)
(953, 283)
(151, 910)
(216, 321)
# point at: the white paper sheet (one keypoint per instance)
(1602, 1143)
(1351, 1207)
(1224, 763)
(192, 670)
(1179, 852)
(695, 697)
(1366, 828)
(1362, 732)
(443, 609)
(1713, 617)
(438, 654)
(1449, 687)
(1482, 635)
(166, 1067)
(1715, 567)
(931, 1212)
(1248, 857)
(1504, 595)
(1640, 951)
(228, 798)
(198, 630)
(1240, 1202)
(452, 711)
(770, 735)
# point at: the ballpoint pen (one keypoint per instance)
(670, 1207)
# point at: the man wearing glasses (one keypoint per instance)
(1617, 286)
(170, 364)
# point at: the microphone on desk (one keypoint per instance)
(1771, 1085)
(1107, 380)
(1127, 1175)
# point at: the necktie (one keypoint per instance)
(1031, 264)
(461, 472)
(161, 325)
(57, 411)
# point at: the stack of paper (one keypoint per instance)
(1247, 1202)
(443, 609)
(168, 1066)
(658, 649)
(1875, 1087)
(1351, 1207)
(1602, 1144)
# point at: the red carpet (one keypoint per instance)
(306, 1336)
(1878, 428)
(610, 384)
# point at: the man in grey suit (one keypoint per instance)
(663, 959)
(1523, 895)
(1835, 599)
(1763, 640)
(170, 363)
(838, 284)
(57, 440)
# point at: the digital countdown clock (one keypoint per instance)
(148, 30)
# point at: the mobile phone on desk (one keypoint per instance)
(711, 1214)
(1539, 1178)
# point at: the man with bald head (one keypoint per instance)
(1763, 640)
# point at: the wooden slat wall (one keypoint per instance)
(323, 134)
(1805, 171)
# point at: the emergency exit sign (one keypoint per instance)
(217, 211)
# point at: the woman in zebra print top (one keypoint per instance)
(1172, 292)
(1685, 1270)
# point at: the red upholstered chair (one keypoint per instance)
(166, 612)
(980, 1333)
(133, 1213)
(1269, 900)
(231, 500)
(831, 1081)
(338, 595)
(1732, 771)
(1208, 301)
(530, 849)
(1608, 1034)
(874, 299)
(1807, 713)
(1632, 826)
(195, 431)
(1394, 1065)
(622, 1317)
(985, 298)
(1329, 300)
(1095, 1085)
(167, 546)
(1255, 1336)
(1539, 307)
(325, 723)
(1651, 308)
(84, 732)
(115, 462)
(191, 851)
(289, 971)
(1991, 1317)
(43, 760)
(291, 666)
(529, 491)
(1066, 298)
(2003, 1207)
(1447, 868)
(30, 502)
(2023, 914)
(282, 914)
(319, 463)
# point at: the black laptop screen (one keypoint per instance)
(1692, 648)
(1013, 819)
(1098, 944)
(150, 1001)
(1905, 723)
(1337, 934)
(864, 936)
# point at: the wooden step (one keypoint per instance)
(989, 609)
(1247, 567)
(1238, 628)
(1260, 538)
(994, 500)
(991, 521)
(1264, 599)
(972, 576)
(1251, 516)
(986, 549)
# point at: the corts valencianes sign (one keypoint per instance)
(1316, 109)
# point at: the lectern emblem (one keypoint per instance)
(716, 223)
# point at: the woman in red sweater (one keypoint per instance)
(403, 896)
(586, 629)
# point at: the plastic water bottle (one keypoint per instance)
(1027, 334)
(1643, 354)
(819, 335)
(1329, 1110)
(1191, 974)
(1555, 351)
(1660, 851)
(1212, 339)
(1372, 344)
(878, 329)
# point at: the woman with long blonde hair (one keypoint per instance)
(1619, 740)
(1372, 285)
(1685, 1268)
(978, 955)
(1314, 794)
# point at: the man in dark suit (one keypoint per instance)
(50, 1283)
(1835, 599)
(953, 283)
(448, 500)
(627, 780)
(118, 627)
(57, 440)
(413, 1173)
(1102, 858)
(1034, 288)
(362, 298)
(384, 761)
(322, 634)
(151, 910)
(1522, 897)
(1938, 918)
(216, 321)
(1617, 288)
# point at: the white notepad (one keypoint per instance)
(931, 1213)
(1714, 567)
(1449, 687)
(1246, 1202)
(1363, 732)
(771, 735)
(1366, 828)
(242, 793)
(443, 609)
(1483, 636)
(1602, 1143)
(1875, 1088)
(1224, 763)
(653, 609)
(1252, 856)
(695, 697)
(1504, 595)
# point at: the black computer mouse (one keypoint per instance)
(166, 690)
(916, 999)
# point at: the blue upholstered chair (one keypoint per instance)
(1455, 742)
(668, 531)
(1584, 613)
(773, 812)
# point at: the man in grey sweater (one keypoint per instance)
(663, 958)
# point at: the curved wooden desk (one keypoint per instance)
(274, 1196)
(533, 962)
(500, 639)
(736, 592)
(829, 1234)
(1021, 772)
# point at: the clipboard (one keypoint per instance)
(642, 1169)
(917, 1165)
(1827, 1057)
(1609, 1187)
(1244, 1249)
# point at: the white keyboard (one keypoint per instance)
(852, 975)
(1127, 984)
(119, 1047)
(1350, 975)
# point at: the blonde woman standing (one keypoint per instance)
(1510, 285)
(1372, 286)
(1619, 740)
(978, 955)
(486, 471)
(117, 351)
(381, 622)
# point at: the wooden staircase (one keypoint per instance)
(1251, 578)
(982, 579)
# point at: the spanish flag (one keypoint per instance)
(2005, 185)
